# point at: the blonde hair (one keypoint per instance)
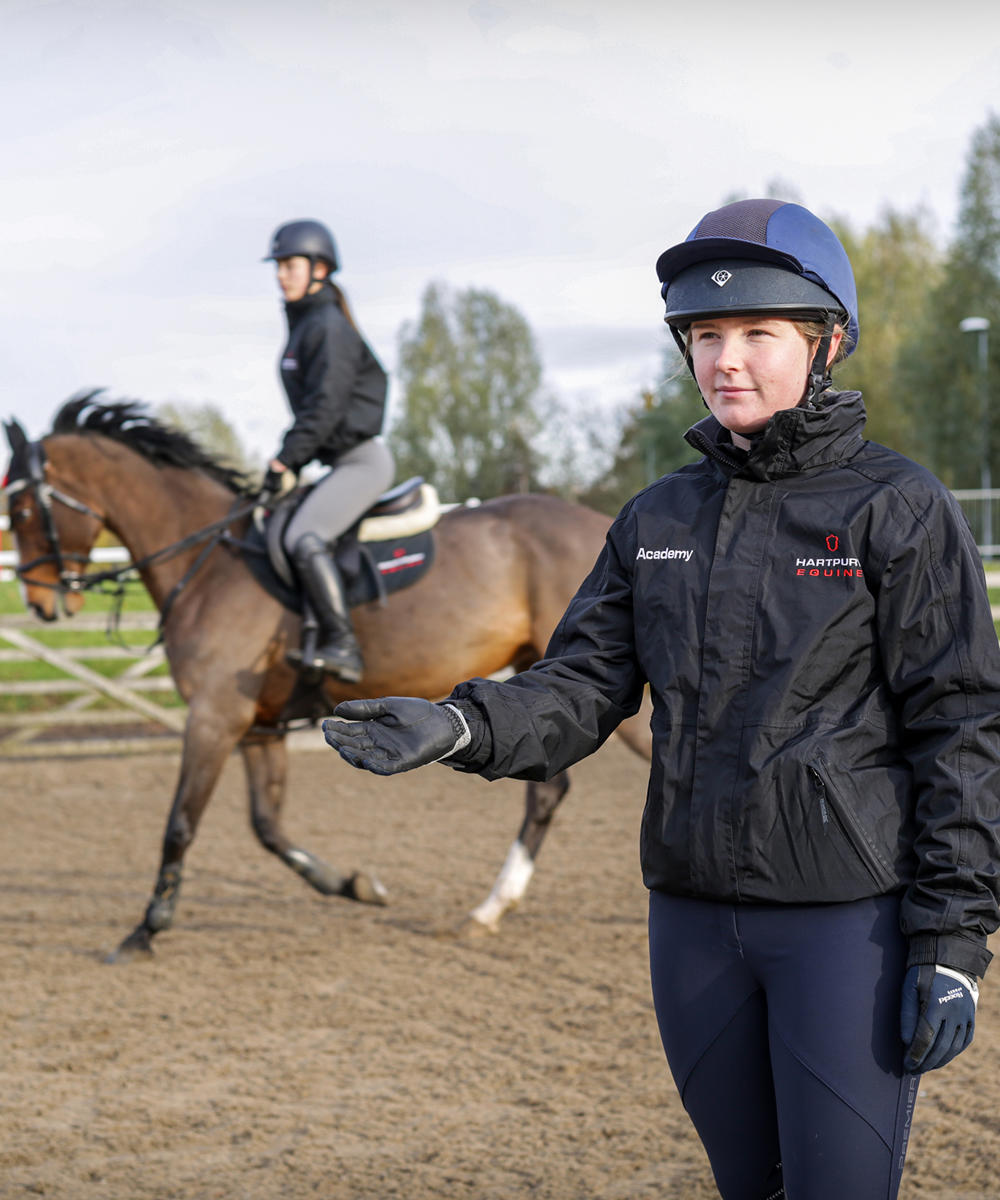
(812, 331)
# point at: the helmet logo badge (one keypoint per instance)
(722, 277)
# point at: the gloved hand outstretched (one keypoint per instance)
(938, 1016)
(395, 733)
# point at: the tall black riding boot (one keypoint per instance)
(337, 650)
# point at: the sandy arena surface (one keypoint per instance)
(283, 1045)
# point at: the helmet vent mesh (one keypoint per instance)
(746, 219)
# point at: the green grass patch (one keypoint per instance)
(25, 705)
(62, 635)
(28, 705)
(137, 599)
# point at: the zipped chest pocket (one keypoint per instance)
(834, 808)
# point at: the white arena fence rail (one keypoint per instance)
(135, 723)
(132, 723)
(982, 510)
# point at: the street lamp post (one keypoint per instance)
(981, 326)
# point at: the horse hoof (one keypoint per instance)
(367, 888)
(138, 944)
(472, 928)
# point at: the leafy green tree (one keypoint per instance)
(939, 367)
(210, 429)
(896, 265)
(652, 438)
(471, 380)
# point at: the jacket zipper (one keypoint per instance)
(780, 1193)
(829, 798)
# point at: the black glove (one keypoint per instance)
(938, 1016)
(272, 483)
(395, 733)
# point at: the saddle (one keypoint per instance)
(390, 547)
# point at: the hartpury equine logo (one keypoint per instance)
(829, 568)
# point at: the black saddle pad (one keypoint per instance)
(370, 570)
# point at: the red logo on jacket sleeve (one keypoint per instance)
(832, 542)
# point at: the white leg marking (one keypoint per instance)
(511, 884)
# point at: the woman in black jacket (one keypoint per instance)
(821, 837)
(336, 390)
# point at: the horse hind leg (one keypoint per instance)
(266, 764)
(541, 802)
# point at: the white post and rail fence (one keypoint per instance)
(97, 714)
(130, 721)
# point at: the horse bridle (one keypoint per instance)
(44, 494)
(82, 581)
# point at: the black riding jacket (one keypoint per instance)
(813, 622)
(335, 385)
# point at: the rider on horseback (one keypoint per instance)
(336, 389)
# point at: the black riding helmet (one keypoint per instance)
(309, 239)
(762, 256)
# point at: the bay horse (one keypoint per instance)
(504, 572)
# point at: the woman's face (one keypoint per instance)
(294, 277)
(748, 368)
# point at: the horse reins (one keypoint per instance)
(79, 581)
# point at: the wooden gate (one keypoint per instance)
(131, 723)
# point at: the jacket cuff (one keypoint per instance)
(949, 950)
(477, 751)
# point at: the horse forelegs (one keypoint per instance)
(205, 751)
(266, 764)
(541, 802)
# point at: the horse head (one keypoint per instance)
(53, 532)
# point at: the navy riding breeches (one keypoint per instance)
(781, 1028)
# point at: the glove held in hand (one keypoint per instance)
(938, 1016)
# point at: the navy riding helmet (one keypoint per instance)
(310, 239)
(762, 256)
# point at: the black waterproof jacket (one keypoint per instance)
(335, 385)
(813, 622)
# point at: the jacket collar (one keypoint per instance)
(295, 310)
(794, 440)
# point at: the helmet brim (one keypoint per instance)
(724, 287)
(678, 258)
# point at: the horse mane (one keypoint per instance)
(130, 423)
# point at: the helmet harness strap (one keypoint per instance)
(819, 374)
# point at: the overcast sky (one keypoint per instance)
(546, 150)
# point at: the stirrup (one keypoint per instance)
(343, 662)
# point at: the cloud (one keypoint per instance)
(547, 151)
